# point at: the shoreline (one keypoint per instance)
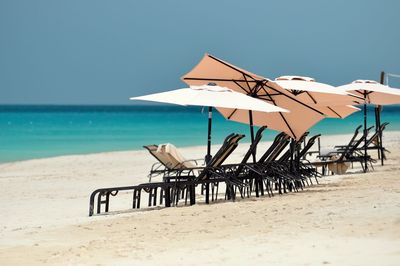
(187, 147)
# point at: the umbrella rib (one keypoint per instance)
(280, 93)
(269, 100)
(362, 92)
(312, 98)
(287, 124)
(233, 112)
(258, 87)
(355, 96)
(248, 85)
(219, 79)
(230, 66)
(272, 94)
(280, 113)
(334, 112)
(248, 92)
(267, 95)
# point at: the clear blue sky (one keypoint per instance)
(103, 52)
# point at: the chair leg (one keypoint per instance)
(207, 196)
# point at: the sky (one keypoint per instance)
(103, 52)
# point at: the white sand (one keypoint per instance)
(352, 219)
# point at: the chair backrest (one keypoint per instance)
(169, 156)
(288, 154)
(274, 156)
(162, 158)
(355, 134)
(229, 145)
(225, 150)
(357, 142)
(224, 146)
(376, 134)
(383, 125)
(354, 144)
(363, 137)
(279, 139)
(251, 150)
(308, 146)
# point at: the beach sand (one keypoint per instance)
(352, 219)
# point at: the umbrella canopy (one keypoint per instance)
(333, 102)
(259, 118)
(308, 90)
(374, 92)
(209, 95)
(300, 118)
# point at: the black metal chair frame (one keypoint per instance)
(177, 184)
(346, 153)
(160, 167)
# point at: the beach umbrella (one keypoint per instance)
(333, 102)
(372, 92)
(211, 96)
(300, 118)
(311, 91)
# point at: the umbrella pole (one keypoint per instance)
(365, 132)
(292, 151)
(208, 157)
(257, 183)
(252, 134)
(380, 140)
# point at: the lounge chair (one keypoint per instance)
(303, 168)
(289, 170)
(252, 176)
(235, 172)
(373, 142)
(339, 160)
(169, 158)
(209, 175)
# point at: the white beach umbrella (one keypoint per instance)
(333, 102)
(373, 93)
(211, 96)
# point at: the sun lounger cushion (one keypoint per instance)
(175, 158)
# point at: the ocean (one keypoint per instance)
(39, 131)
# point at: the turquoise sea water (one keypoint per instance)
(28, 132)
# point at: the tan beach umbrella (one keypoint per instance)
(333, 102)
(301, 117)
(373, 93)
(211, 96)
